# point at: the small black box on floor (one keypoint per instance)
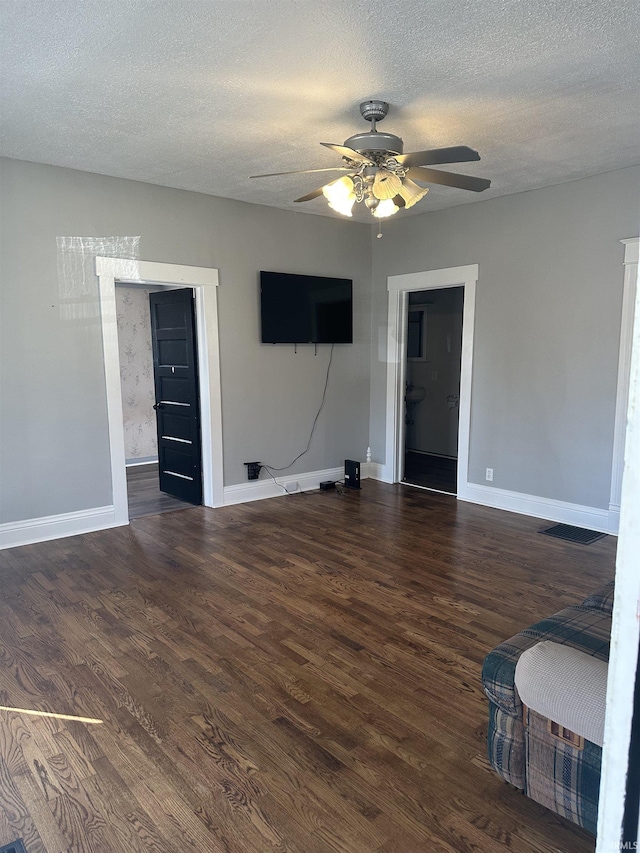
(351, 474)
(327, 485)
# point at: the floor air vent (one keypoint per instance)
(572, 534)
(14, 847)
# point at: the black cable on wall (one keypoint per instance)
(270, 468)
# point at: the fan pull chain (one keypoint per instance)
(379, 234)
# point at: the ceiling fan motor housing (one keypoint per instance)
(377, 146)
(374, 143)
(374, 110)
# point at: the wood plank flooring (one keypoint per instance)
(300, 674)
(144, 495)
(431, 471)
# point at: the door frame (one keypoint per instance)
(204, 281)
(631, 254)
(623, 663)
(399, 287)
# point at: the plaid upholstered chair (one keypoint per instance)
(550, 762)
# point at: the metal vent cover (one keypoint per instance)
(573, 534)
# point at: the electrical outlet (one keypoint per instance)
(291, 487)
(489, 475)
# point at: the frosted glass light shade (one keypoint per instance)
(340, 195)
(386, 184)
(385, 208)
(411, 192)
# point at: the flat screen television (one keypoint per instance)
(305, 309)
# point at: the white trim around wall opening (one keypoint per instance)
(204, 281)
(620, 718)
(631, 250)
(399, 287)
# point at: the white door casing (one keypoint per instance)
(631, 250)
(399, 286)
(204, 281)
(625, 629)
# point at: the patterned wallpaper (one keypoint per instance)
(136, 373)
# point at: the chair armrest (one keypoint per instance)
(565, 685)
(581, 627)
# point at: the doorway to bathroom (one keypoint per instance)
(432, 388)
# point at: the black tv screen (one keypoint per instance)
(305, 309)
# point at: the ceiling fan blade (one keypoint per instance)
(309, 196)
(448, 179)
(458, 154)
(343, 151)
(304, 172)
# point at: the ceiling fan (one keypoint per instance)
(379, 174)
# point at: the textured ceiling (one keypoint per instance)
(200, 94)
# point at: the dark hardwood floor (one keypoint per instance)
(431, 471)
(299, 674)
(144, 495)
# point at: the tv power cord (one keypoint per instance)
(270, 468)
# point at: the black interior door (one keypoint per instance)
(175, 368)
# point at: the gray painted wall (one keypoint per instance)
(548, 314)
(547, 329)
(53, 419)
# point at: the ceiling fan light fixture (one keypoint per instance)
(387, 207)
(340, 195)
(381, 175)
(411, 192)
(386, 185)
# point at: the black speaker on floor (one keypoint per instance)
(351, 474)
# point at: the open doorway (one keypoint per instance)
(400, 287)
(204, 282)
(432, 388)
(139, 369)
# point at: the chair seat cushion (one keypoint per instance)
(565, 685)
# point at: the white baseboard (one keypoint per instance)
(257, 490)
(614, 518)
(31, 530)
(374, 471)
(551, 510)
(143, 460)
